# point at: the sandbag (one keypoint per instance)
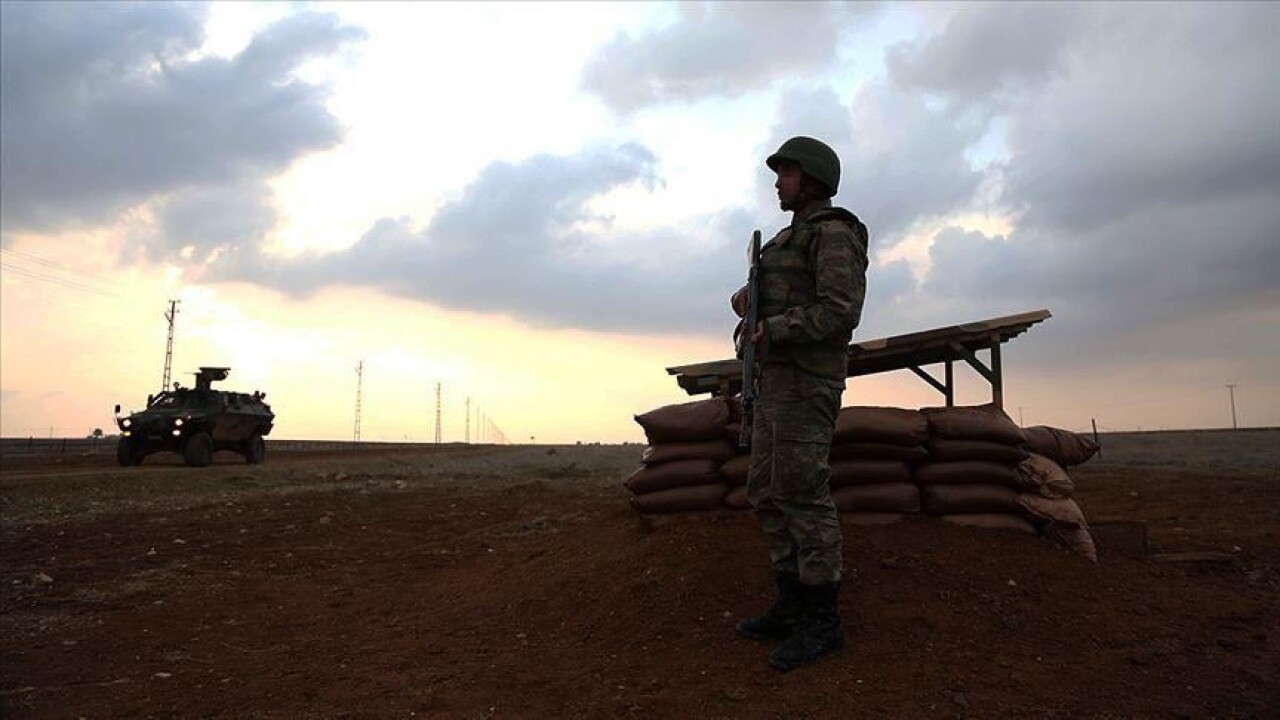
(735, 470)
(1045, 477)
(974, 422)
(1061, 520)
(686, 422)
(1061, 446)
(969, 499)
(737, 499)
(993, 521)
(871, 518)
(894, 426)
(947, 450)
(731, 432)
(681, 473)
(682, 499)
(868, 472)
(911, 454)
(968, 472)
(719, 450)
(885, 498)
(1041, 510)
(1072, 537)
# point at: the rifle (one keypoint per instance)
(746, 344)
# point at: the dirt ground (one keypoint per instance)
(517, 582)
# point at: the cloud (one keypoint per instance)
(102, 109)
(901, 161)
(208, 218)
(717, 50)
(985, 49)
(520, 241)
(1187, 116)
(1142, 165)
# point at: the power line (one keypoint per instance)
(84, 281)
(63, 282)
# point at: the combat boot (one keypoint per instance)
(818, 633)
(781, 618)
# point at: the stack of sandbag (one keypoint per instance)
(1061, 446)
(681, 468)
(872, 453)
(1046, 500)
(971, 476)
(735, 468)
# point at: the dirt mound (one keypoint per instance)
(519, 594)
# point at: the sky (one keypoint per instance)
(539, 207)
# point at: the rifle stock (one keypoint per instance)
(747, 346)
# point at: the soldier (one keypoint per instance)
(812, 280)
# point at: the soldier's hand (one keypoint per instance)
(739, 302)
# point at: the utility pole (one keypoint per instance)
(168, 348)
(359, 394)
(1020, 422)
(437, 412)
(468, 423)
(1231, 388)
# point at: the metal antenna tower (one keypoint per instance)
(437, 412)
(359, 394)
(168, 348)
(468, 425)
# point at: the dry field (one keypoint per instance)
(517, 582)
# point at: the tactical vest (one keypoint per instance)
(788, 279)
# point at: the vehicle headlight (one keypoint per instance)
(177, 432)
(177, 423)
(126, 422)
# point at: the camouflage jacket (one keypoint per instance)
(813, 280)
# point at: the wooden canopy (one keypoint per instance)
(911, 352)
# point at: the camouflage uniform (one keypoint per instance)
(812, 285)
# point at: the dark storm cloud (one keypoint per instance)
(1187, 116)
(985, 49)
(101, 109)
(1143, 166)
(208, 218)
(513, 244)
(717, 50)
(901, 162)
(1130, 289)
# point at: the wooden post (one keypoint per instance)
(997, 379)
(951, 385)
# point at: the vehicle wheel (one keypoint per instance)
(198, 451)
(127, 452)
(254, 450)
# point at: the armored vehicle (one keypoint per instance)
(195, 422)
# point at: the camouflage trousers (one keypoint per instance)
(788, 483)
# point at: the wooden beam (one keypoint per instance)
(974, 362)
(929, 379)
(951, 385)
(997, 373)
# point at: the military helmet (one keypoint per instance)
(815, 158)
